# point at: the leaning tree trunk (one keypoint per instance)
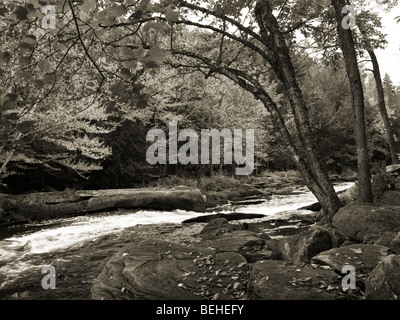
(382, 107)
(350, 59)
(303, 144)
(318, 183)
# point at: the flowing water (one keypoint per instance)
(22, 251)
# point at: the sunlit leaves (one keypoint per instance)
(109, 14)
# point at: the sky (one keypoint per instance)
(389, 58)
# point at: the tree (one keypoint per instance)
(382, 108)
(350, 58)
(264, 50)
(368, 24)
(59, 86)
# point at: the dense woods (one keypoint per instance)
(78, 100)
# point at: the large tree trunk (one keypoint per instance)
(382, 107)
(318, 182)
(303, 143)
(350, 58)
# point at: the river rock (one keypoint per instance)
(384, 281)
(278, 280)
(216, 228)
(350, 195)
(393, 168)
(7, 204)
(257, 255)
(395, 244)
(363, 257)
(228, 216)
(315, 207)
(236, 241)
(48, 205)
(161, 270)
(367, 222)
(302, 247)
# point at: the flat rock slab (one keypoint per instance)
(49, 205)
(236, 241)
(363, 257)
(161, 270)
(228, 216)
(278, 280)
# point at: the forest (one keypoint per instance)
(82, 85)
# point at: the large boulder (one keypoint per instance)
(161, 270)
(278, 280)
(395, 244)
(390, 197)
(367, 222)
(350, 195)
(363, 257)
(384, 281)
(300, 248)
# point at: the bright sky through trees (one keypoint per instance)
(389, 59)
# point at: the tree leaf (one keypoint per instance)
(3, 11)
(115, 11)
(28, 42)
(171, 15)
(8, 101)
(23, 74)
(125, 73)
(4, 57)
(25, 126)
(21, 13)
(49, 78)
(88, 6)
(12, 116)
(45, 66)
(142, 102)
(110, 106)
(155, 54)
(39, 84)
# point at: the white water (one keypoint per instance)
(15, 251)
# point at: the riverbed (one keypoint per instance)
(78, 247)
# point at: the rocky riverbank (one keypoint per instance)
(291, 258)
(240, 261)
(231, 261)
(252, 259)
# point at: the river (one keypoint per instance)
(22, 252)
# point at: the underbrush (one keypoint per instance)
(223, 182)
